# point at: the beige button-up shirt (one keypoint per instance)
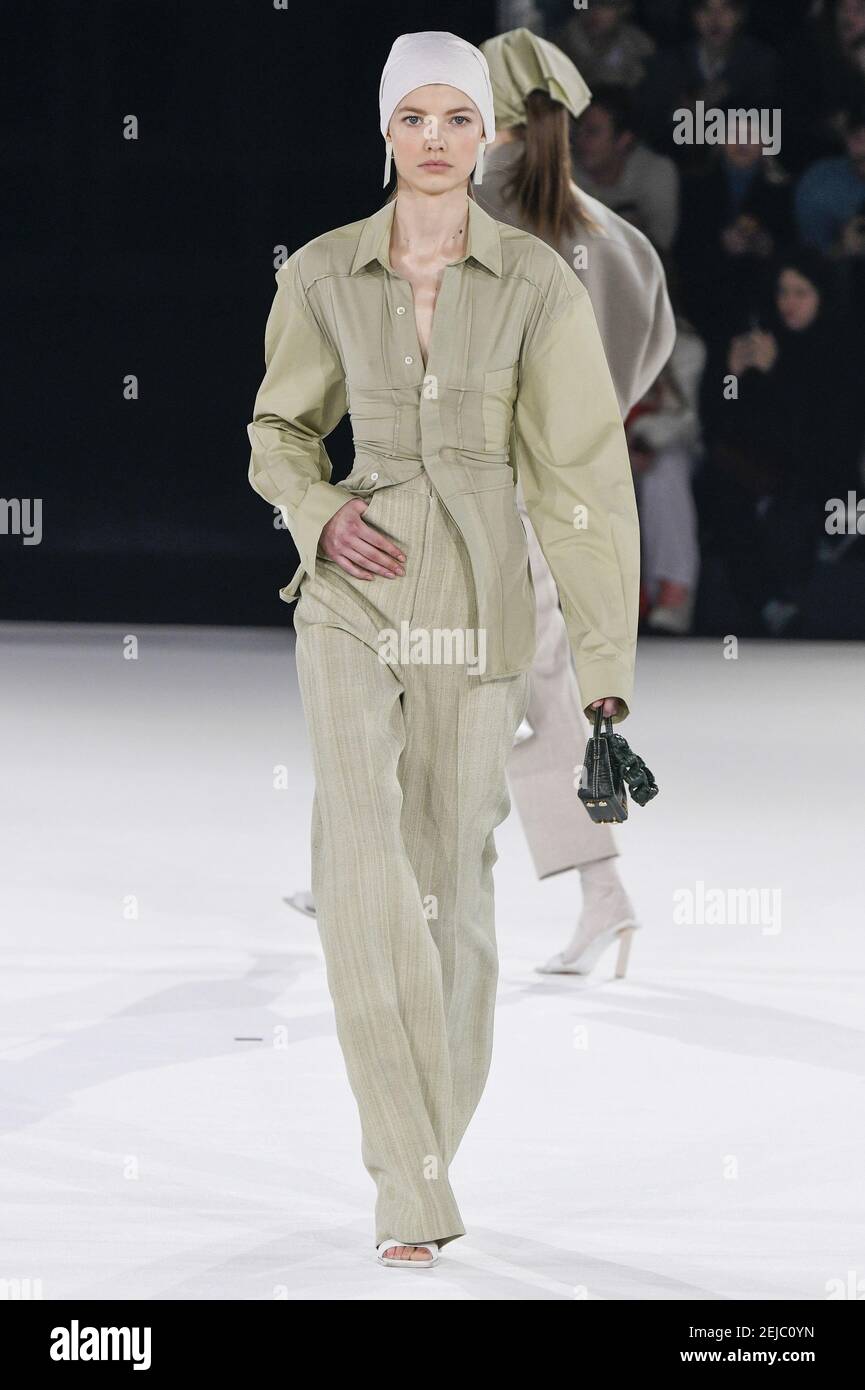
(516, 387)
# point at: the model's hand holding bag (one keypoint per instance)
(608, 765)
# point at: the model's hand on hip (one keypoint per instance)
(357, 548)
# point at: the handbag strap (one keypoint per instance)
(639, 777)
(601, 718)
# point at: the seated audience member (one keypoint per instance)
(822, 78)
(734, 217)
(665, 444)
(830, 196)
(786, 445)
(612, 165)
(607, 49)
(722, 66)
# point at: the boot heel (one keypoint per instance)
(624, 952)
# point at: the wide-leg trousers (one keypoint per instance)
(409, 754)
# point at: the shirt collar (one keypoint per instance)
(482, 244)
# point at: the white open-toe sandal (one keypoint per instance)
(429, 1245)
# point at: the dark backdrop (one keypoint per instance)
(154, 257)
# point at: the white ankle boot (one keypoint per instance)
(607, 916)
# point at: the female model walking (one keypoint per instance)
(528, 183)
(446, 335)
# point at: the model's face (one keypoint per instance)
(596, 139)
(436, 131)
(798, 300)
(716, 22)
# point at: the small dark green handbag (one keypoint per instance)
(608, 765)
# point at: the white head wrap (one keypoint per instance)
(416, 60)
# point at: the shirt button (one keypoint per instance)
(400, 309)
(372, 477)
(408, 361)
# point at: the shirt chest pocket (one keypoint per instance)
(497, 405)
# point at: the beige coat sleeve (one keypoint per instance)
(573, 464)
(627, 285)
(301, 400)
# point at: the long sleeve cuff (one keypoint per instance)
(600, 679)
(320, 502)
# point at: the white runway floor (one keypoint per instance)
(176, 1120)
